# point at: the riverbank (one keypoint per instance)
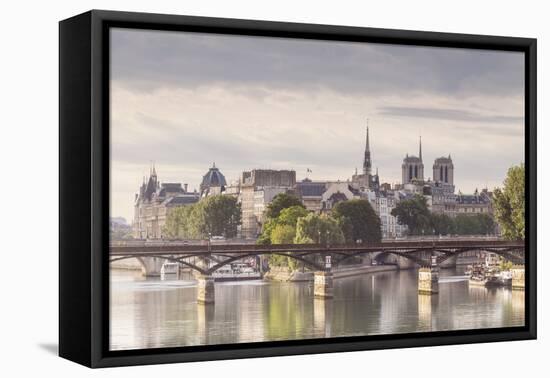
(127, 264)
(286, 275)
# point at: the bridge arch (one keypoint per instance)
(230, 259)
(410, 256)
(508, 254)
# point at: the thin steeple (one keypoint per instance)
(420, 149)
(367, 163)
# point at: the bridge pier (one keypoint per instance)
(323, 285)
(205, 292)
(151, 266)
(428, 278)
(518, 277)
(449, 263)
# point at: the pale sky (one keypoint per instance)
(186, 100)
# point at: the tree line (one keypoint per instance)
(288, 222)
(217, 215)
(508, 207)
(415, 214)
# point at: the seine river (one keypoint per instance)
(150, 313)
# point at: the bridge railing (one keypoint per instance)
(182, 247)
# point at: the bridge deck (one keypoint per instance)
(144, 248)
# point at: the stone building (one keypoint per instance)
(258, 187)
(311, 194)
(384, 203)
(153, 204)
(443, 197)
(412, 168)
(443, 171)
(472, 204)
(337, 192)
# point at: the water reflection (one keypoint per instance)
(153, 313)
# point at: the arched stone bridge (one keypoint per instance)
(152, 254)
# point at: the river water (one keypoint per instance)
(150, 313)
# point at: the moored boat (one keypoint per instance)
(169, 269)
(236, 272)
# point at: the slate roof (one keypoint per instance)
(169, 187)
(182, 200)
(311, 189)
(468, 199)
(213, 178)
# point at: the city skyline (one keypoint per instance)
(302, 105)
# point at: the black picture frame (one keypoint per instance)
(84, 187)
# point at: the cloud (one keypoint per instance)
(148, 60)
(447, 114)
(186, 100)
(471, 121)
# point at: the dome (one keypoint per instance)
(213, 178)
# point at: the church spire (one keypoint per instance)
(367, 163)
(420, 149)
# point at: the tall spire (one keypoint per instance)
(154, 171)
(367, 163)
(367, 144)
(420, 149)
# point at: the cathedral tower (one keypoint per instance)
(443, 170)
(413, 167)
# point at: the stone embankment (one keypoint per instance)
(285, 275)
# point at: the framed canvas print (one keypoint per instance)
(234, 188)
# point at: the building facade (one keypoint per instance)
(153, 204)
(258, 187)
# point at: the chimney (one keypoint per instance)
(185, 188)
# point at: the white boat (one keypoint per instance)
(506, 277)
(236, 272)
(169, 269)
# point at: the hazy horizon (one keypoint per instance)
(186, 100)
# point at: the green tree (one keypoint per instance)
(478, 224)
(281, 230)
(281, 201)
(346, 226)
(179, 223)
(215, 215)
(283, 234)
(315, 228)
(414, 213)
(505, 265)
(442, 224)
(287, 216)
(220, 215)
(359, 221)
(267, 229)
(509, 204)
